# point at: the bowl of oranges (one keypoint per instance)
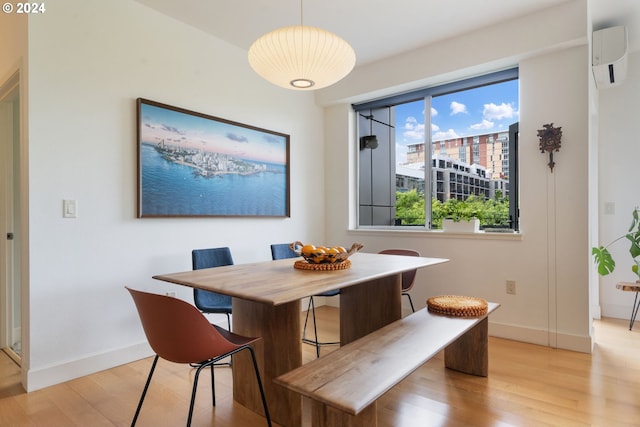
(324, 256)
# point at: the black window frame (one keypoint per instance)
(364, 109)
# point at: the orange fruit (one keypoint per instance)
(317, 256)
(331, 255)
(308, 249)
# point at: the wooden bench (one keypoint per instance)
(344, 385)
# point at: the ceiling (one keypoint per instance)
(377, 29)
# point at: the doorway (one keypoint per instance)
(10, 280)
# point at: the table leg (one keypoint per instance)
(369, 306)
(279, 351)
(327, 416)
(470, 352)
(364, 308)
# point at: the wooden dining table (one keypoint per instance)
(267, 303)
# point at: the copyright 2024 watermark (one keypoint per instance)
(23, 8)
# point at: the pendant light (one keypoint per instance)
(301, 57)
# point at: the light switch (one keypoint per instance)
(69, 208)
(609, 208)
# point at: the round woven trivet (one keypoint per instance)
(304, 265)
(453, 305)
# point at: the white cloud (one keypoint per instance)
(457, 108)
(498, 112)
(449, 134)
(434, 127)
(485, 124)
(410, 122)
(434, 112)
(413, 130)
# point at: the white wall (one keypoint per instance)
(550, 262)
(89, 61)
(618, 164)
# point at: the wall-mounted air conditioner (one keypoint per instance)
(610, 56)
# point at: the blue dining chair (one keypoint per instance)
(282, 251)
(207, 301)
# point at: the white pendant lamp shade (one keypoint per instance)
(301, 57)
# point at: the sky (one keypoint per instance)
(211, 135)
(476, 111)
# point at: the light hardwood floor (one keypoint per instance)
(528, 385)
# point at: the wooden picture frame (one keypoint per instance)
(195, 165)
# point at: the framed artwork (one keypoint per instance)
(194, 165)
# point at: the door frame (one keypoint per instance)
(13, 197)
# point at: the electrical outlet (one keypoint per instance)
(511, 287)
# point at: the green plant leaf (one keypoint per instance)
(634, 249)
(634, 235)
(634, 222)
(636, 268)
(603, 259)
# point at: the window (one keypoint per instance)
(465, 166)
(476, 148)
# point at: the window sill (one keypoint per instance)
(437, 234)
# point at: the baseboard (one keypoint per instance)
(582, 344)
(617, 311)
(45, 377)
(51, 375)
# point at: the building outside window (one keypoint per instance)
(464, 161)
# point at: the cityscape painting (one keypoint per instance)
(195, 165)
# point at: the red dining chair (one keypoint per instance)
(179, 333)
(408, 277)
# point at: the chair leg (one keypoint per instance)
(213, 386)
(211, 363)
(195, 388)
(312, 307)
(144, 391)
(634, 311)
(315, 328)
(264, 399)
(306, 318)
(410, 301)
(230, 363)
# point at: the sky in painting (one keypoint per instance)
(191, 131)
(472, 112)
